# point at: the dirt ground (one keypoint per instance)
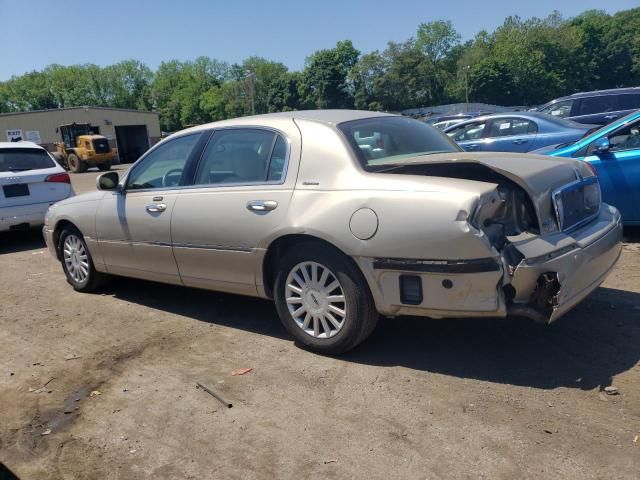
(428, 399)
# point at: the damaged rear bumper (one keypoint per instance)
(554, 273)
(558, 272)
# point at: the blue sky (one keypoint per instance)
(33, 33)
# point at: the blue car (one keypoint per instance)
(515, 132)
(614, 152)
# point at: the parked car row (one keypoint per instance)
(600, 128)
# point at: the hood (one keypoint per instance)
(537, 175)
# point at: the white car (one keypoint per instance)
(30, 181)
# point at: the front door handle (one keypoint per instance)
(156, 207)
(471, 147)
(519, 141)
(262, 205)
(611, 117)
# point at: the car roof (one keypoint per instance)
(20, 144)
(538, 115)
(596, 93)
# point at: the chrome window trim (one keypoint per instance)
(285, 168)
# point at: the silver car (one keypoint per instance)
(340, 216)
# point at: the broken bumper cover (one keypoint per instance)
(580, 261)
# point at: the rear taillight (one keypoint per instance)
(58, 178)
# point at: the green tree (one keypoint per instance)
(325, 80)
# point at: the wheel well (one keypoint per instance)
(280, 246)
(58, 230)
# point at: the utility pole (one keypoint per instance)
(466, 86)
(252, 90)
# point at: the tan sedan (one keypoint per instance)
(340, 216)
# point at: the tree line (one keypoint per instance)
(522, 62)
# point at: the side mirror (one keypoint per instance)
(108, 181)
(601, 145)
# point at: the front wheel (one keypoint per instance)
(323, 299)
(77, 263)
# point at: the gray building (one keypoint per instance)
(131, 131)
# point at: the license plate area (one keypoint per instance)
(17, 190)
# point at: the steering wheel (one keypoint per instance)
(165, 177)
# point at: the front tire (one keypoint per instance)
(77, 263)
(323, 299)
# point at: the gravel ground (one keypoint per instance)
(103, 386)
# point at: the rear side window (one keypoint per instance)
(23, 159)
(242, 156)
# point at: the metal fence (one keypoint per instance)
(454, 108)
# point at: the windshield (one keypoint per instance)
(381, 140)
(22, 159)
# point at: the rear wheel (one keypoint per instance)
(77, 263)
(76, 164)
(104, 165)
(323, 299)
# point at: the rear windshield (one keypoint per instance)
(381, 140)
(23, 159)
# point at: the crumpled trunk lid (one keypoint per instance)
(538, 175)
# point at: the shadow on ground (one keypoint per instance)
(21, 241)
(585, 349)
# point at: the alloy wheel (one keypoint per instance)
(315, 300)
(75, 258)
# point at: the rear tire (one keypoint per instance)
(76, 165)
(77, 263)
(323, 299)
(104, 166)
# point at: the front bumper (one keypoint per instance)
(48, 239)
(580, 261)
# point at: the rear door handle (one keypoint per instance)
(611, 117)
(156, 207)
(471, 147)
(262, 205)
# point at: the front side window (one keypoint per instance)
(242, 156)
(505, 127)
(468, 131)
(163, 167)
(626, 138)
(383, 139)
(560, 109)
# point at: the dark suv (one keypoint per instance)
(598, 107)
